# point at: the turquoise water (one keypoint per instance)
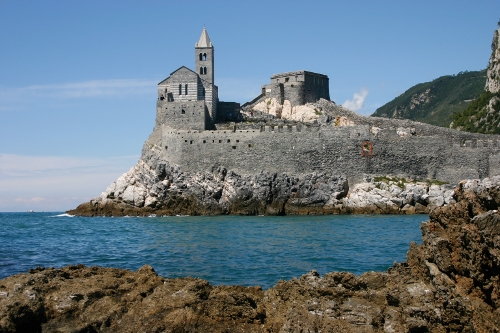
(229, 250)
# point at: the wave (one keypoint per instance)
(63, 215)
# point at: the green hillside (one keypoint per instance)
(481, 116)
(435, 102)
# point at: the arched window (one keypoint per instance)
(180, 89)
(203, 92)
(201, 56)
(204, 70)
(201, 70)
(183, 111)
(186, 89)
(204, 56)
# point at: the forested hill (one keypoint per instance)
(435, 102)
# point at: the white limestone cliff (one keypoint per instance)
(493, 74)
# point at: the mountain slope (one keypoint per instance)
(436, 101)
(483, 114)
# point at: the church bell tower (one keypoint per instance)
(204, 55)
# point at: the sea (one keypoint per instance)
(225, 250)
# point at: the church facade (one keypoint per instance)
(188, 99)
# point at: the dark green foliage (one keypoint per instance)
(475, 118)
(435, 102)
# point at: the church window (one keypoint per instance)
(186, 89)
(201, 57)
(204, 70)
(203, 92)
(201, 70)
(180, 89)
(204, 57)
(183, 111)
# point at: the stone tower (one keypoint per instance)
(204, 55)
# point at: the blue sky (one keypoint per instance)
(78, 78)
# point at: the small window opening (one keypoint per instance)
(166, 147)
(220, 141)
(234, 147)
(185, 140)
(180, 89)
(204, 70)
(201, 70)
(237, 141)
(286, 79)
(204, 141)
(183, 111)
(204, 56)
(186, 89)
(191, 142)
(201, 56)
(250, 145)
(228, 140)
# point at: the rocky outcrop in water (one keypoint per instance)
(449, 283)
(166, 190)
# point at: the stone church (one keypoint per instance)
(188, 99)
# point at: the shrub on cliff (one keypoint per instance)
(481, 116)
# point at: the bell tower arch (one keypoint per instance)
(204, 57)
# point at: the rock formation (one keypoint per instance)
(493, 73)
(449, 283)
(141, 192)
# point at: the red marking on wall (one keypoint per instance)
(367, 148)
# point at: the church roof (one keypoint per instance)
(204, 40)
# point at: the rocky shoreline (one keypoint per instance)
(449, 283)
(166, 190)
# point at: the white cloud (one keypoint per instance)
(357, 101)
(56, 183)
(12, 98)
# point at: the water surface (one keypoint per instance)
(229, 250)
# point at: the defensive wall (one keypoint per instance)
(185, 115)
(353, 151)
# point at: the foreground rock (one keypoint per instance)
(450, 283)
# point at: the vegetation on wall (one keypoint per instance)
(435, 102)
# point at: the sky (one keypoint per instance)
(78, 78)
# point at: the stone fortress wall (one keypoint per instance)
(353, 151)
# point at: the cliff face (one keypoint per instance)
(493, 74)
(482, 115)
(449, 283)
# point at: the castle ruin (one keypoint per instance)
(188, 108)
